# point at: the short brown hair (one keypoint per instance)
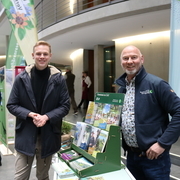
(44, 43)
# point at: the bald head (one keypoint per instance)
(131, 60)
(131, 48)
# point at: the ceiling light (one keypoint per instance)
(71, 4)
(142, 37)
(76, 53)
(108, 61)
(3, 57)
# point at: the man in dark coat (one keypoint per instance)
(148, 131)
(39, 99)
(70, 78)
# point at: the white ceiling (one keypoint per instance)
(102, 33)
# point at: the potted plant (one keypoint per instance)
(65, 131)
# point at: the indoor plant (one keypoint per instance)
(65, 131)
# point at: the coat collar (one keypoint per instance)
(140, 75)
(53, 70)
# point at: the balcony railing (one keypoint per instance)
(51, 12)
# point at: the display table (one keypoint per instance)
(122, 174)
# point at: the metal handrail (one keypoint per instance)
(51, 12)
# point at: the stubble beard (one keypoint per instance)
(131, 72)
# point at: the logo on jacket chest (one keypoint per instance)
(149, 91)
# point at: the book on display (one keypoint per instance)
(90, 112)
(80, 164)
(101, 142)
(62, 169)
(79, 131)
(107, 115)
(85, 137)
(70, 154)
(95, 132)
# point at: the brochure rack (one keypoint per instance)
(107, 161)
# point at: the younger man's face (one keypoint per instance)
(42, 56)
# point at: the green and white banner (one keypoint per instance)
(2, 106)
(10, 119)
(23, 22)
(14, 56)
(7, 120)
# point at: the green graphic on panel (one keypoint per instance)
(14, 54)
(2, 107)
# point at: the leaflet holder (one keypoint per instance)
(107, 161)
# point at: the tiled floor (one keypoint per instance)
(7, 168)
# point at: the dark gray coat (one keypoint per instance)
(55, 105)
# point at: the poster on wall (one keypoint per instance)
(2, 107)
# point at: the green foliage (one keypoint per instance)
(66, 127)
(31, 2)
(6, 3)
(30, 25)
(21, 33)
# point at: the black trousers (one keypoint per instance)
(85, 101)
(0, 160)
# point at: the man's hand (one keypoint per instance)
(40, 120)
(154, 151)
(32, 115)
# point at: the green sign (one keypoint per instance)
(110, 98)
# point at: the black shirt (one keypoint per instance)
(39, 81)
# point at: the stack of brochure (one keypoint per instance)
(80, 164)
(62, 169)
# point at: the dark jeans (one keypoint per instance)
(73, 102)
(143, 168)
(0, 160)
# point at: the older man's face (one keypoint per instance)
(131, 61)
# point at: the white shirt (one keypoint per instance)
(87, 80)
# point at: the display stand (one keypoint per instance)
(108, 161)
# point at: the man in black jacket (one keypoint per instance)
(70, 77)
(39, 99)
(147, 130)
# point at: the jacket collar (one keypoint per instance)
(53, 70)
(140, 75)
